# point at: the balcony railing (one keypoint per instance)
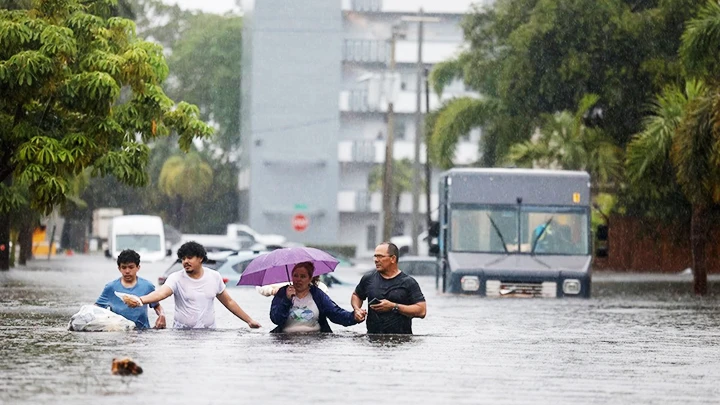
(366, 201)
(366, 50)
(368, 151)
(363, 151)
(363, 5)
(358, 100)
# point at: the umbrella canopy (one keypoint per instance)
(275, 267)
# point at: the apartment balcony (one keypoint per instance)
(373, 152)
(374, 51)
(359, 201)
(367, 101)
(411, 7)
(366, 51)
(406, 52)
(363, 201)
(362, 6)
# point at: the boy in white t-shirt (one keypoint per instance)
(195, 290)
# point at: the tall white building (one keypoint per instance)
(315, 111)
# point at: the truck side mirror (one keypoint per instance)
(168, 252)
(434, 230)
(602, 233)
(107, 254)
(601, 251)
(434, 249)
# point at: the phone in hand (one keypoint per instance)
(373, 301)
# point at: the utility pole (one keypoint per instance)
(420, 19)
(428, 172)
(418, 141)
(387, 202)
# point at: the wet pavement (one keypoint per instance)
(639, 340)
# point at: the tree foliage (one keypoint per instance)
(683, 133)
(402, 179)
(80, 90)
(204, 52)
(536, 57)
(565, 142)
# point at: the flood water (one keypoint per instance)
(638, 340)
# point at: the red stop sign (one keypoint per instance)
(300, 222)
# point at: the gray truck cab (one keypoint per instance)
(514, 233)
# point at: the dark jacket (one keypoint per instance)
(280, 310)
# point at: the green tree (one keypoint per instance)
(402, 180)
(565, 142)
(79, 90)
(683, 133)
(535, 57)
(185, 179)
(204, 65)
(679, 146)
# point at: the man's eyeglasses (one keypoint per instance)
(381, 256)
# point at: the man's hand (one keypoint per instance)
(253, 324)
(359, 315)
(133, 301)
(383, 306)
(160, 322)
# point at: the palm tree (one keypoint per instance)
(680, 132)
(456, 117)
(684, 131)
(186, 179)
(402, 180)
(565, 142)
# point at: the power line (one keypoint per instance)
(294, 126)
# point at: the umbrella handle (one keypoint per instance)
(288, 276)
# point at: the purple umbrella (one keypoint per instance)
(275, 266)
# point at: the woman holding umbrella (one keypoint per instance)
(302, 307)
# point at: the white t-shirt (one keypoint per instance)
(195, 298)
(304, 316)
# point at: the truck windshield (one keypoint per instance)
(138, 243)
(542, 230)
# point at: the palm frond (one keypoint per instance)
(603, 158)
(649, 150)
(701, 40)
(585, 104)
(455, 119)
(691, 150)
(444, 73)
(528, 154)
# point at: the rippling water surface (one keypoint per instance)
(639, 340)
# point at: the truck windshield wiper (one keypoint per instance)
(498, 232)
(540, 235)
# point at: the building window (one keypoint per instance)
(366, 5)
(371, 237)
(400, 131)
(363, 151)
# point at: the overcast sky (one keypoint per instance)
(208, 6)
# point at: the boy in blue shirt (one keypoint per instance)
(129, 264)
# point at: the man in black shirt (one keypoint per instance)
(394, 297)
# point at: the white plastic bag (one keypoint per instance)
(125, 297)
(92, 318)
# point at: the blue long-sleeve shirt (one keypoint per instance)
(281, 305)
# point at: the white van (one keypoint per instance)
(144, 234)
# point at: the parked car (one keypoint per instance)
(404, 243)
(418, 265)
(177, 266)
(344, 260)
(234, 265)
(244, 232)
